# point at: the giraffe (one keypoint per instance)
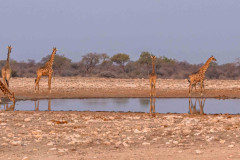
(153, 78)
(7, 92)
(6, 70)
(200, 75)
(46, 70)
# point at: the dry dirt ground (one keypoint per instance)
(79, 87)
(32, 135)
(109, 135)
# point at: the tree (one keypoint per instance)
(145, 58)
(90, 61)
(121, 59)
(59, 61)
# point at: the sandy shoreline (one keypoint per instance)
(81, 87)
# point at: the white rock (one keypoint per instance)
(125, 144)
(175, 142)
(49, 123)
(145, 143)
(52, 149)
(4, 144)
(137, 131)
(27, 120)
(50, 144)
(198, 151)
(25, 158)
(16, 143)
(222, 141)
(118, 143)
(231, 146)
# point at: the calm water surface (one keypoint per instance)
(162, 105)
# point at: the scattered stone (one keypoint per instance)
(50, 144)
(198, 151)
(118, 144)
(231, 146)
(125, 144)
(16, 143)
(26, 158)
(137, 131)
(52, 149)
(27, 120)
(175, 142)
(145, 143)
(222, 141)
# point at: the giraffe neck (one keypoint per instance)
(153, 67)
(8, 57)
(50, 61)
(204, 68)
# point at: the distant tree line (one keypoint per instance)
(120, 66)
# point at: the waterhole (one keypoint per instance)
(152, 105)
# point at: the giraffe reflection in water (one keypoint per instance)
(37, 105)
(192, 107)
(10, 108)
(152, 105)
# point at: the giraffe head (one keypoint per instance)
(153, 58)
(9, 48)
(55, 50)
(212, 58)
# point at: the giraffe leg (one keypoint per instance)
(154, 87)
(150, 88)
(8, 76)
(201, 87)
(49, 82)
(189, 90)
(4, 80)
(37, 83)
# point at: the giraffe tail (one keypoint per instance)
(7, 83)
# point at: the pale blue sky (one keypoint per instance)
(190, 30)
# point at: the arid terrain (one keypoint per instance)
(32, 135)
(108, 135)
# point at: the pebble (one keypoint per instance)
(145, 143)
(125, 144)
(198, 151)
(222, 141)
(52, 149)
(137, 131)
(231, 146)
(50, 144)
(26, 158)
(27, 120)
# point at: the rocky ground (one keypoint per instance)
(109, 135)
